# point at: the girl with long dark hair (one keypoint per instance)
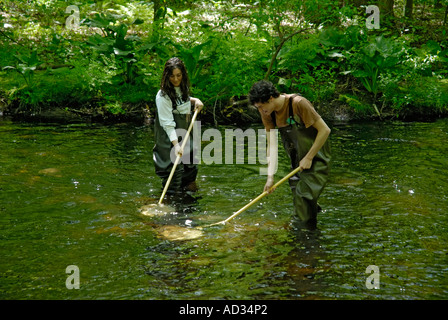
(174, 106)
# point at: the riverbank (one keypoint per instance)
(144, 112)
(76, 95)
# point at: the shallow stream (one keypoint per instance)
(70, 194)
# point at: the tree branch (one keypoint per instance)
(279, 47)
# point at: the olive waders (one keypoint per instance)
(187, 170)
(306, 186)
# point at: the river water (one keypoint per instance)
(70, 194)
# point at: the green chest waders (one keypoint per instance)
(306, 186)
(187, 170)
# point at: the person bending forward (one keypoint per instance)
(304, 136)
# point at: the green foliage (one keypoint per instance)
(430, 59)
(375, 58)
(312, 73)
(421, 84)
(25, 66)
(27, 95)
(320, 49)
(114, 108)
(427, 94)
(354, 102)
(301, 56)
(116, 42)
(194, 62)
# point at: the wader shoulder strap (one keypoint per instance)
(273, 118)
(291, 111)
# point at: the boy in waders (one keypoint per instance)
(304, 136)
(174, 104)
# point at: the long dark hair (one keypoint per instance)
(167, 88)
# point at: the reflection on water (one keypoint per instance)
(70, 195)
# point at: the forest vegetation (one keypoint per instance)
(102, 60)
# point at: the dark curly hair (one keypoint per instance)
(262, 91)
(167, 87)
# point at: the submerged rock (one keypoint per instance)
(177, 233)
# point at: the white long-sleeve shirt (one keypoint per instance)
(165, 111)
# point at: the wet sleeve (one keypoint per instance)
(306, 112)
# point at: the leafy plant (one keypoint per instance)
(25, 66)
(374, 59)
(116, 42)
(301, 56)
(353, 102)
(430, 59)
(192, 59)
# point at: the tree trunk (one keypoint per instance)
(408, 8)
(446, 15)
(156, 20)
(386, 7)
(438, 4)
(157, 6)
(277, 50)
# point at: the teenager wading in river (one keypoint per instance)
(304, 136)
(174, 112)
